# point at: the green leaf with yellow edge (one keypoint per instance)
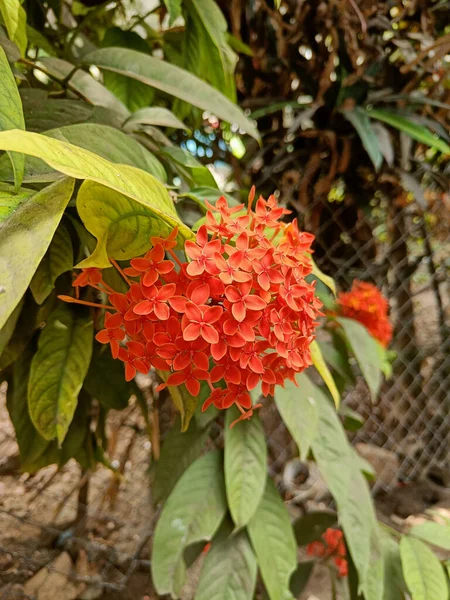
(326, 279)
(11, 113)
(58, 370)
(184, 402)
(24, 239)
(324, 372)
(57, 260)
(424, 574)
(273, 540)
(15, 19)
(83, 164)
(193, 513)
(245, 465)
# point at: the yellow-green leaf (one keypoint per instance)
(11, 113)
(326, 279)
(24, 239)
(324, 372)
(15, 19)
(58, 370)
(9, 200)
(424, 574)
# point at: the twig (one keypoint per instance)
(360, 16)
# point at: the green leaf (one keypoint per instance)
(82, 82)
(82, 164)
(35, 38)
(394, 582)
(423, 572)
(359, 118)
(416, 132)
(31, 444)
(184, 402)
(433, 533)
(179, 450)
(155, 115)
(9, 200)
(193, 512)
(326, 279)
(58, 370)
(341, 472)
(46, 114)
(245, 465)
(200, 175)
(8, 329)
(337, 357)
(105, 380)
(273, 540)
(324, 372)
(172, 80)
(298, 410)
(366, 351)
(11, 114)
(174, 9)
(57, 260)
(15, 20)
(200, 194)
(312, 525)
(24, 239)
(229, 570)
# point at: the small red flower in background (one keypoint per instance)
(237, 314)
(333, 546)
(366, 304)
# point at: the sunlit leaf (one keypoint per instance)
(422, 570)
(433, 533)
(324, 372)
(15, 19)
(10, 200)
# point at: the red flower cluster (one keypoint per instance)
(366, 304)
(239, 313)
(333, 545)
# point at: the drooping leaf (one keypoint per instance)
(15, 19)
(105, 380)
(422, 570)
(298, 410)
(366, 352)
(229, 570)
(417, 132)
(437, 534)
(193, 512)
(200, 175)
(326, 279)
(57, 260)
(11, 114)
(82, 164)
(245, 466)
(273, 540)
(172, 80)
(85, 84)
(9, 200)
(179, 450)
(324, 372)
(358, 117)
(174, 8)
(312, 525)
(25, 237)
(58, 370)
(155, 115)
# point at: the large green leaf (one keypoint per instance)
(192, 513)
(9, 200)
(229, 570)
(15, 20)
(200, 175)
(341, 472)
(417, 132)
(273, 540)
(298, 410)
(179, 450)
(25, 237)
(46, 114)
(172, 80)
(82, 164)
(394, 582)
(358, 117)
(424, 574)
(11, 114)
(85, 84)
(58, 370)
(437, 534)
(245, 465)
(31, 444)
(57, 260)
(366, 352)
(155, 115)
(324, 372)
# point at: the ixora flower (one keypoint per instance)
(333, 546)
(238, 313)
(366, 304)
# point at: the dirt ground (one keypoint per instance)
(111, 559)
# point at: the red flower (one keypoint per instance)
(89, 276)
(333, 546)
(156, 301)
(200, 322)
(112, 334)
(152, 266)
(202, 254)
(242, 300)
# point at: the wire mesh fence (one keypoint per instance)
(399, 248)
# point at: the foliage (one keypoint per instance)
(96, 113)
